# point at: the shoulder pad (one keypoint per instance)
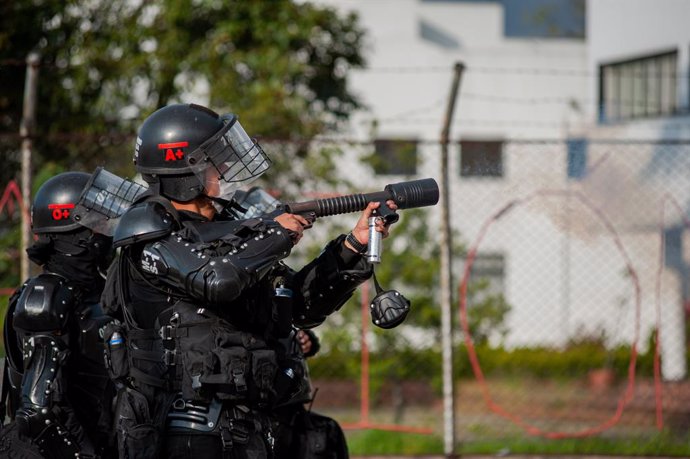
(44, 304)
(143, 222)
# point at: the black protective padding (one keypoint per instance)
(44, 304)
(43, 381)
(220, 272)
(143, 222)
(389, 309)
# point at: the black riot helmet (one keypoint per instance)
(63, 245)
(186, 150)
(53, 205)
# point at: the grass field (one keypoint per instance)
(373, 442)
(554, 406)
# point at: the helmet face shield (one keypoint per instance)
(228, 160)
(104, 199)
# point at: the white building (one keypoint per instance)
(564, 252)
(652, 42)
(640, 52)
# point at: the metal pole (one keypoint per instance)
(364, 378)
(26, 131)
(447, 277)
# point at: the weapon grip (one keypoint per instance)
(374, 248)
(385, 213)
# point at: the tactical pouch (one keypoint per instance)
(196, 365)
(215, 361)
(219, 361)
(231, 380)
(194, 344)
(115, 350)
(264, 367)
(138, 437)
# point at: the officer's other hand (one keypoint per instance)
(361, 229)
(308, 342)
(294, 224)
(304, 341)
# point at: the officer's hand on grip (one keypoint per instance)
(294, 224)
(361, 229)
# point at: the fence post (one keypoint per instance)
(447, 276)
(26, 132)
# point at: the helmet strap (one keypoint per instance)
(155, 186)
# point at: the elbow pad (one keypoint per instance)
(326, 284)
(216, 272)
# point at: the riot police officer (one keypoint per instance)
(60, 394)
(206, 303)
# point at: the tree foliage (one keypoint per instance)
(105, 65)
(411, 265)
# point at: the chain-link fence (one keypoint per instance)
(571, 265)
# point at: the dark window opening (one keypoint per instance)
(394, 157)
(481, 158)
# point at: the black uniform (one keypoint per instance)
(59, 393)
(207, 304)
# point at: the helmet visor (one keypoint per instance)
(228, 160)
(104, 199)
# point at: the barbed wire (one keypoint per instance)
(538, 124)
(124, 138)
(507, 71)
(512, 71)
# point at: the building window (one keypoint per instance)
(488, 275)
(394, 157)
(487, 308)
(638, 88)
(481, 158)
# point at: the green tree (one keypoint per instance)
(486, 312)
(105, 65)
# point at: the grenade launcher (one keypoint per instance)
(389, 307)
(407, 195)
